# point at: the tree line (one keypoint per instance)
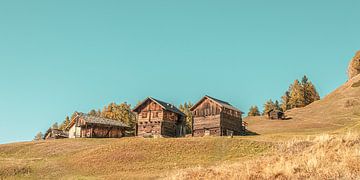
(300, 94)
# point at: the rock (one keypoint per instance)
(354, 66)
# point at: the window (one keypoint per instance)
(144, 114)
(156, 114)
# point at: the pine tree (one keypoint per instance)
(277, 105)
(185, 108)
(121, 112)
(254, 111)
(92, 112)
(285, 105)
(314, 95)
(73, 115)
(268, 106)
(96, 113)
(65, 123)
(55, 126)
(310, 93)
(306, 91)
(296, 95)
(301, 94)
(39, 136)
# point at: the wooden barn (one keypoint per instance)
(86, 126)
(276, 114)
(214, 117)
(55, 134)
(158, 118)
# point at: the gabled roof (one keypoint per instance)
(56, 132)
(164, 105)
(97, 120)
(217, 101)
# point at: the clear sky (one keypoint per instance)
(57, 57)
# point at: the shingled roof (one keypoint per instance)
(98, 120)
(56, 133)
(220, 102)
(164, 105)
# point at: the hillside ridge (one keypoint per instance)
(338, 110)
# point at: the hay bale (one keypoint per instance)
(354, 66)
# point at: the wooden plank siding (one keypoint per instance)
(216, 118)
(155, 120)
(87, 126)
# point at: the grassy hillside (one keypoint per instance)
(338, 111)
(320, 157)
(115, 158)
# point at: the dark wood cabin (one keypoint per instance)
(55, 134)
(86, 126)
(276, 114)
(158, 118)
(214, 117)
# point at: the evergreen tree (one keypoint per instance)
(254, 111)
(277, 105)
(310, 93)
(39, 136)
(94, 112)
(314, 95)
(306, 91)
(300, 94)
(73, 115)
(55, 126)
(296, 95)
(268, 106)
(185, 108)
(65, 123)
(285, 105)
(120, 112)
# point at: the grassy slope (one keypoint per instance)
(114, 158)
(317, 157)
(338, 111)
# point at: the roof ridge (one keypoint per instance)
(218, 99)
(165, 105)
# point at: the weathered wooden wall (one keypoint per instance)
(231, 123)
(210, 123)
(153, 120)
(149, 128)
(94, 131)
(212, 119)
(207, 108)
(149, 118)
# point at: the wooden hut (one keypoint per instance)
(216, 118)
(158, 118)
(86, 126)
(55, 134)
(276, 114)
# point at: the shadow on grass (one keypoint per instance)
(250, 133)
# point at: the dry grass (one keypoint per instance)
(336, 112)
(126, 158)
(322, 157)
(14, 168)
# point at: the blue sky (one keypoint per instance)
(57, 57)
